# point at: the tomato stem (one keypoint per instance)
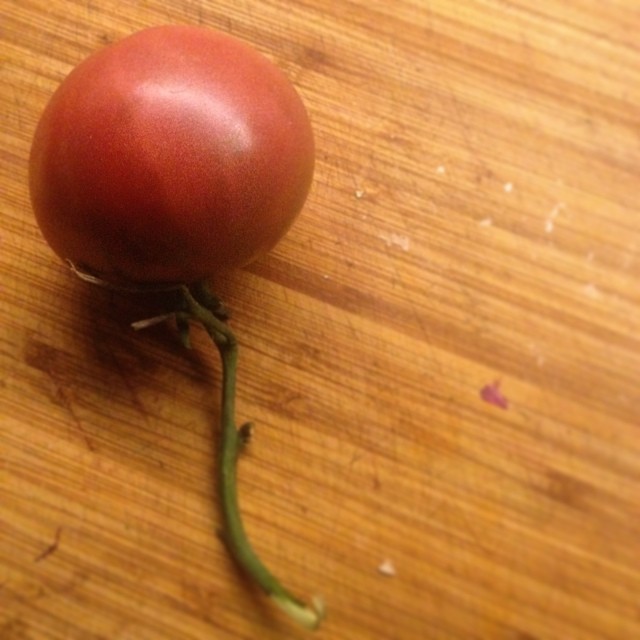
(206, 309)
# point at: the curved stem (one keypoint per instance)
(233, 440)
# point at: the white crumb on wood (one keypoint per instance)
(395, 239)
(537, 354)
(485, 222)
(591, 291)
(359, 193)
(553, 214)
(387, 568)
(508, 187)
(441, 170)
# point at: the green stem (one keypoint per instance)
(233, 439)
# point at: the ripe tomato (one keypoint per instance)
(169, 156)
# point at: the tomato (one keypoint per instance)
(169, 156)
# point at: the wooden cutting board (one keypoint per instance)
(441, 358)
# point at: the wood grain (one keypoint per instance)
(474, 218)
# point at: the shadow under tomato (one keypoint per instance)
(139, 385)
(108, 315)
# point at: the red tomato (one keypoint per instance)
(169, 156)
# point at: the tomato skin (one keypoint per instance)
(170, 156)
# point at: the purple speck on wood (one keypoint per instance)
(491, 393)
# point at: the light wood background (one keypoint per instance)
(474, 218)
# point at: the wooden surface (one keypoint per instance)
(474, 218)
